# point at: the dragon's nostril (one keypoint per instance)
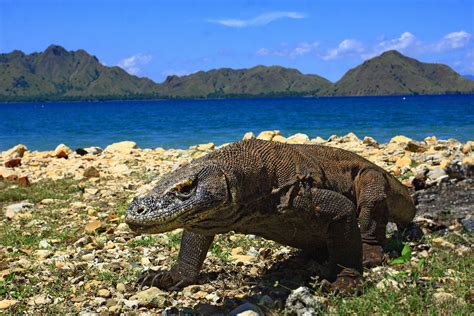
(140, 209)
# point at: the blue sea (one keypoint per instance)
(182, 123)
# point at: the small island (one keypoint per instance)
(61, 75)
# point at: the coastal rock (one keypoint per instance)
(437, 174)
(318, 140)
(350, 137)
(61, 154)
(369, 141)
(13, 163)
(267, 135)
(62, 149)
(81, 151)
(248, 135)
(415, 147)
(15, 152)
(93, 150)
(121, 170)
(279, 139)
(404, 161)
(91, 172)
(400, 139)
(466, 149)
(124, 147)
(298, 138)
(206, 147)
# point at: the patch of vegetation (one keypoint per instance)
(11, 237)
(47, 189)
(443, 271)
(144, 241)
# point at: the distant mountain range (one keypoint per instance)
(58, 74)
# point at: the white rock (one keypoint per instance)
(93, 150)
(248, 135)
(62, 147)
(15, 152)
(44, 244)
(120, 169)
(302, 302)
(13, 209)
(150, 297)
(124, 147)
(298, 138)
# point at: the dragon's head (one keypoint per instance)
(182, 198)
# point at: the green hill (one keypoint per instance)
(256, 81)
(58, 74)
(395, 74)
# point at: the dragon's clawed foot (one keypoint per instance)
(349, 282)
(167, 280)
(372, 255)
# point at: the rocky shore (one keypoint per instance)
(65, 248)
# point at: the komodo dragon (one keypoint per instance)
(304, 196)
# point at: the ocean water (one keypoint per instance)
(182, 123)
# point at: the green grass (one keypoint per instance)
(60, 189)
(420, 283)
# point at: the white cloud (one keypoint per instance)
(451, 41)
(304, 48)
(345, 48)
(405, 41)
(262, 19)
(131, 64)
(263, 52)
(299, 50)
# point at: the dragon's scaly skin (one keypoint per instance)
(305, 196)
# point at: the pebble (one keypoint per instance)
(298, 138)
(4, 304)
(104, 293)
(443, 298)
(388, 284)
(150, 297)
(441, 243)
(13, 163)
(44, 244)
(302, 302)
(92, 227)
(124, 147)
(121, 288)
(91, 172)
(12, 210)
(40, 299)
(88, 257)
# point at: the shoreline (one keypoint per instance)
(66, 248)
(235, 98)
(402, 156)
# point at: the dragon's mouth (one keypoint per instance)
(153, 228)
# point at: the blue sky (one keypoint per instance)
(159, 38)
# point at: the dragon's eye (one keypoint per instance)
(185, 188)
